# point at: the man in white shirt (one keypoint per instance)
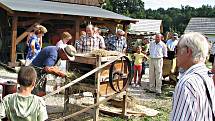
(157, 50)
(171, 44)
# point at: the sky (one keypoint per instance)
(155, 4)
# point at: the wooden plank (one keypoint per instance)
(23, 35)
(14, 35)
(97, 94)
(86, 60)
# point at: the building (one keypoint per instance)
(18, 17)
(205, 26)
(146, 27)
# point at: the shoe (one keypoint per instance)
(133, 85)
(158, 94)
(149, 91)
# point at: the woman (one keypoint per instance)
(35, 44)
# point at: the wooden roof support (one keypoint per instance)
(14, 35)
(23, 35)
(46, 16)
(77, 29)
(26, 23)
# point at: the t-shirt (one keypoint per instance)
(138, 58)
(23, 108)
(47, 57)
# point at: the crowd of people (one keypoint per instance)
(194, 93)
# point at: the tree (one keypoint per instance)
(131, 8)
(174, 19)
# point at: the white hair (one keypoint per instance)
(197, 43)
(90, 26)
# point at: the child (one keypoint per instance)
(138, 66)
(24, 106)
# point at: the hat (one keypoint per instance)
(70, 51)
(175, 35)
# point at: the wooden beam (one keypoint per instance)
(77, 29)
(26, 23)
(47, 16)
(14, 35)
(23, 35)
(125, 28)
(6, 8)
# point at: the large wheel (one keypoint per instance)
(124, 74)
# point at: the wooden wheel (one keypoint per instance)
(120, 74)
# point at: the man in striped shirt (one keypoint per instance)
(190, 101)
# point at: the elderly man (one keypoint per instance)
(91, 41)
(158, 51)
(117, 42)
(195, 92)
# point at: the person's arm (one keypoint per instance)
(32, 46)
(164, 50)
(41, 41)
(102, 42)
(54, 70)
(125, 46)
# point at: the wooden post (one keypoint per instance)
(125, 28)
(77, 29)
(14, 35)
(124, 107)
(96, 96)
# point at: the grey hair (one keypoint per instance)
(90, 26)
(197, 43)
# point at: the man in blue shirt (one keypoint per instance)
(47, 59)
(49, 56)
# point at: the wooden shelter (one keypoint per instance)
(18, 17)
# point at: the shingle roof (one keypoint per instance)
(146, 25)
(203, 25)
(60, 8)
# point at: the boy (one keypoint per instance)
(24, 106)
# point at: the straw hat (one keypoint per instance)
(70, 51)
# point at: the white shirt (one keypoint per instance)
(190, 102)
(171, 44)
(60, 44)
(157, 50)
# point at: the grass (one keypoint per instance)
(163, 104)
